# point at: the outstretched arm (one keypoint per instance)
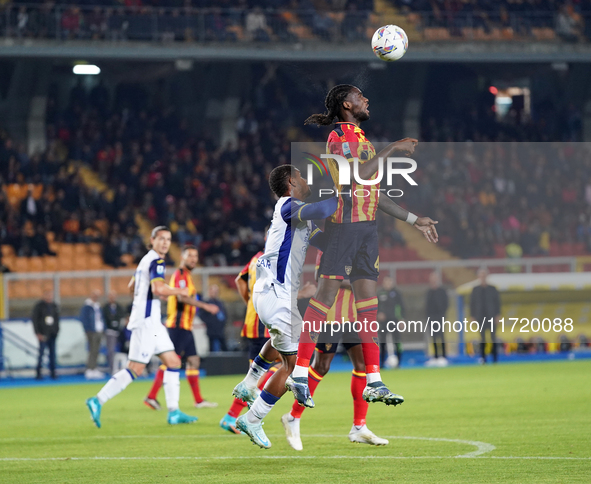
(315, 211)
(423, 224)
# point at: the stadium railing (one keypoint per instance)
(160, 24)
(79, 284)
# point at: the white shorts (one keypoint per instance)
(148, 341)
(282, 319)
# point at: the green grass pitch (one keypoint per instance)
(518, 423)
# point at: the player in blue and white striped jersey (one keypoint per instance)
(149, 336)
(275, 294)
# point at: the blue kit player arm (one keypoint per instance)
(297, 211)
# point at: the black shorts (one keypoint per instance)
(183, 341)
(255, 345)
(328, 343)
(351, 251)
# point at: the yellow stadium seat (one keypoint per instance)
(95, 262)
(21, 264)
(36, 264)
(50, 264)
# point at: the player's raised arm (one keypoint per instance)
(300, 211)
(425, 224)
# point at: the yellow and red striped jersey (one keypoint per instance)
(344, 303)
(348, 140)
(181, 315)
(253, 327)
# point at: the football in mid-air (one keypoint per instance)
(389, 43)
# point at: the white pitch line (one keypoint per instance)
(481, 447)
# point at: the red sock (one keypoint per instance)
(313, 380)
(265, 378)
(157, 382)
(236, 408)
(315, 315)
(193, 379)
(359, 404)
(367, 310)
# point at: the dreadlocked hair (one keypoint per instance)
(279, 179)
(333, 102)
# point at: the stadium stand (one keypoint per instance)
(296, 21)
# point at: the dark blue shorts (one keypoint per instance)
(183, 341)
(255, 345)
(351, 251)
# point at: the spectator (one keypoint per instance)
(46, 323)
(114, 318)
(93, 322)
(30, 209)
(485, 304)
(215, 323)
(567, 26)
(39, 245)
(256, 25)
(390, 308)
(436, 304)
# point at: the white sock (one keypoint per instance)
(255, 373)
(172, 389)
(258, 411)
(115, 385)
(300, 372)
(373, 377)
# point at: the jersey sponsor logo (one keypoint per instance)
(182, 284)
(266, 263)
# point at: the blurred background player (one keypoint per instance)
(342, 310)
(390, 308)
(215, 322)
(148, 335)
(485, 304)
(275, 296)
(354, 221)
(180, 315)
(437, 303)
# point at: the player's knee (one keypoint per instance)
(321, 367)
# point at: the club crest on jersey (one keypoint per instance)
(348, 269)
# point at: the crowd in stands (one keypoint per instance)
(188, 20)
(44, 194)
(571, 20)
(485, 195)
(283, 20)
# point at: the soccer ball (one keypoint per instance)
(389, 43)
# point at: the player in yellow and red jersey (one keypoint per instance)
(180, 315)
(351, 232)
(343, 309)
